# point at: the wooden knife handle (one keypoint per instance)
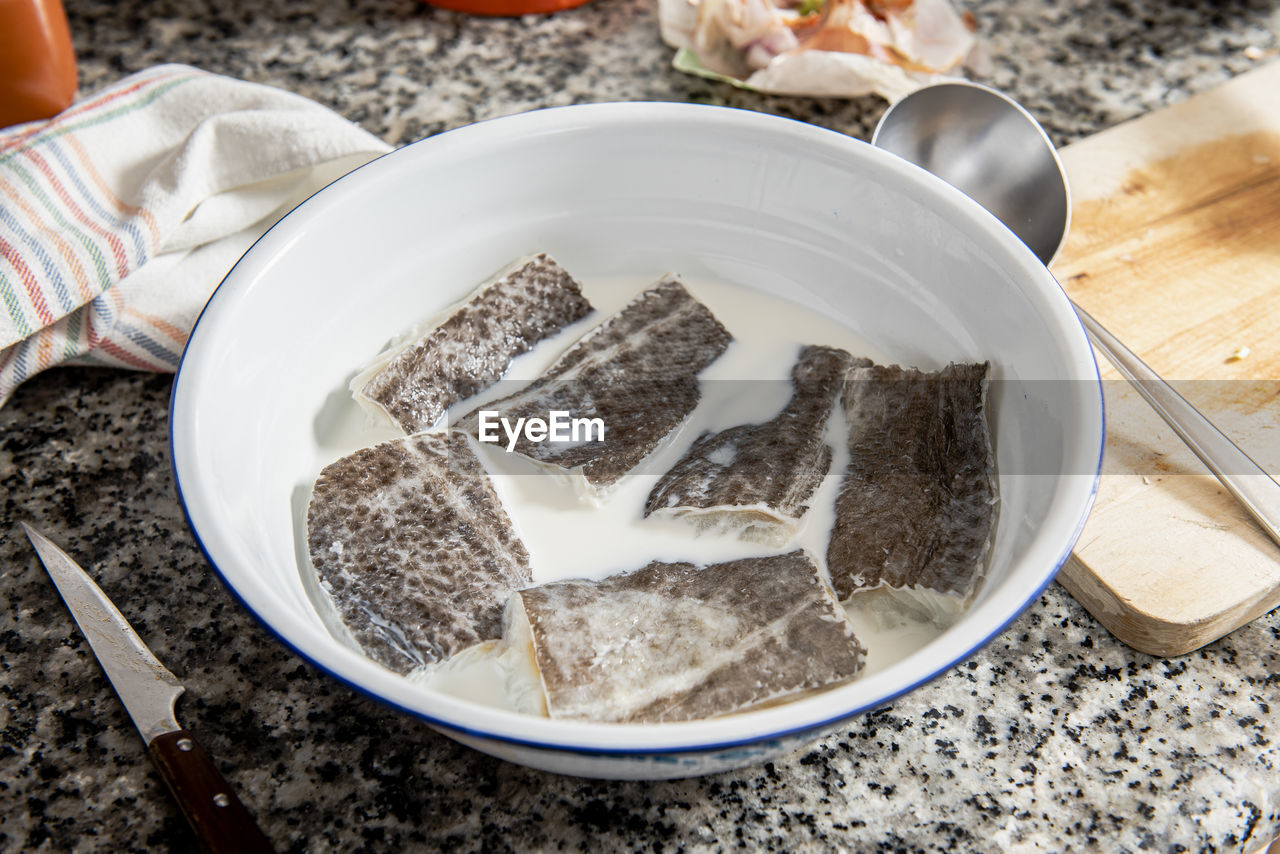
(220, 821)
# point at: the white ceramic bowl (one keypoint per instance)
(910, 264)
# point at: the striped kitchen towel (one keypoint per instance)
(119, 216)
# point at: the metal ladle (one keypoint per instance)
(988, 146)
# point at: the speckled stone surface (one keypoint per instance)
(1055, 737)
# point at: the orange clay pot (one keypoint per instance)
(37, 61)
(503, 8)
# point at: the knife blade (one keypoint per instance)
(149, 692)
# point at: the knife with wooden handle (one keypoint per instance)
(149, 692)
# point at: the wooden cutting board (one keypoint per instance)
(1175, 247)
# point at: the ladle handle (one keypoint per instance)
(1237, 471)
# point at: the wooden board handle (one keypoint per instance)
(219, 819)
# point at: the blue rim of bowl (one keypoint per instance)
(812, 727)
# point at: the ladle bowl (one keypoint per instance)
(986, 144)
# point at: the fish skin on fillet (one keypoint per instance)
(413, 546)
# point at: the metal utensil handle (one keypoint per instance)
(221, 822)
(1237, 471)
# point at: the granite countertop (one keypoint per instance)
(1054, 737)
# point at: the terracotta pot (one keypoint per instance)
(506, 8)
(37, 62)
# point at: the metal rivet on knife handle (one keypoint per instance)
(220, 820)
